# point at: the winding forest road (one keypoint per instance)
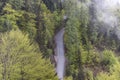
(59, 51)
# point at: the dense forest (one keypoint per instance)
(59, 40)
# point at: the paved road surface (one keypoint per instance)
(59, 51)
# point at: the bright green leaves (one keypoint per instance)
(114, 67)
(108, 58)
(20, 59)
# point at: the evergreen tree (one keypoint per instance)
(9, 18)
(13, 19)
(76, 35)
(73, 40)
(46, 24)
(27, 23)
(17, 4)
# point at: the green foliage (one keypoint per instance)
(76, 37)
(105, 76)
(27, 23)
(45, 27)
(88, 74)
(113, 75)
(57, 18)
(72, 37)
(47, 22)
(108, 58)
(17, 4)
(91, 57)
(68, 78)
(21, 59)
(13, 19)
(114, 65)
(72, 44)
(9, 18)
